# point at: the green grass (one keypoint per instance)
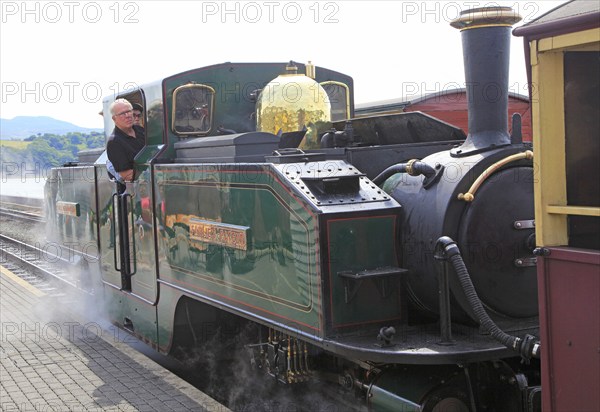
(15, 144)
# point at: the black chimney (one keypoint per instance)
(486, 36)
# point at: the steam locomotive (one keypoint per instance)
(391, 254)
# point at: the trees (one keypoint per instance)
(54, 150)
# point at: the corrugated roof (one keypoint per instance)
(572, 8)
(575, 15)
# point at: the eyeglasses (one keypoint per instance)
(137, 115)
(125, 113)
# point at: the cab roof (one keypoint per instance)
(572, 16)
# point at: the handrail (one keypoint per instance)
(470, 195)
(114, 232)
(132, 238)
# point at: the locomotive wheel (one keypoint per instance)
(446, 399)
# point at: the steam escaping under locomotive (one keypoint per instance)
(391, 255)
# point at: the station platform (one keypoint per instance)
(54, 358)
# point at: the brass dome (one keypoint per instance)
(486, 17)
(292, 102)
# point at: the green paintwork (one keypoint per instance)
(121, 306)
(283, 275)
(167, 304)
(74, 185)
(155, 127)
(106, 227)
(277, 277)
(355, 245)
(90, 233)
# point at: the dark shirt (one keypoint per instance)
(121, 148)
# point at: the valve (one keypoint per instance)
(386, 334)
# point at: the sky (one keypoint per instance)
(61, 58)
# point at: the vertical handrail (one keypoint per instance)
(114, 232)
(124, 236)
(131, 239)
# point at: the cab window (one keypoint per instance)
(192, 109)
(339, 98)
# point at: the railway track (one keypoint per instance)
(22, 215)
(22, 209)
(40, 267)
(38, 262)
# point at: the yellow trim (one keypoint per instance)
(533, 46)
(480, 26)
(15, 279)
(582, 38)
(573, 210)
(550, 186)
(211, 113)
(493, 16)
(548, 121)
(470, 195)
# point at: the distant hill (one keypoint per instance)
(21, 127)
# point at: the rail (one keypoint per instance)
(30, 262)
(22, 208)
